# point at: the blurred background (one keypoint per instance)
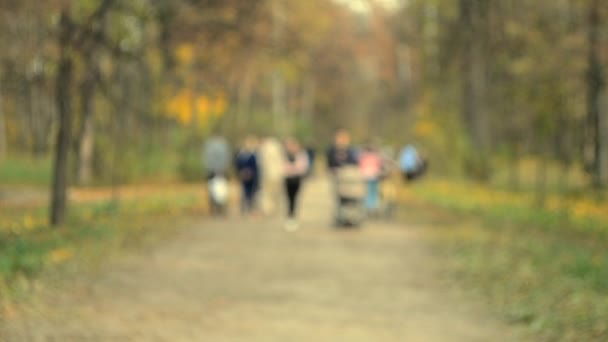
(487, 88)
(491, 90)
(114, 99)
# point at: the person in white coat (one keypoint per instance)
(271, 155)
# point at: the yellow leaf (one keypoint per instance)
(28, 222)
(425, 128)
(221, 105)
(60, 255)
(185, 53)
(202, 105)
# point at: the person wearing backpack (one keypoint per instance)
(411, 164)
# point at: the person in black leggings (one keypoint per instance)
(296, 167)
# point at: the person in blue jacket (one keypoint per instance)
(411, 164)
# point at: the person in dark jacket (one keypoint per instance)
(248, 174)
(341, 152)
(311, 153)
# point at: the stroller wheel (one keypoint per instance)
(346, 224)
(389, 211)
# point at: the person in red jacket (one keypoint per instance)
(370, 162)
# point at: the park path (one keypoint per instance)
(249, 280)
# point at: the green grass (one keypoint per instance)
(539, 269)
(144, 164)
(25, 171)
(29, 247)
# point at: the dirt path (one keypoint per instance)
(244, 280)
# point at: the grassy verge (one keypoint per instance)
(152, 163)
(29, 247)
(544, 268)
(31, 171)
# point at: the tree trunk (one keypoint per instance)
(604, 138)
(86, 135)
(594, 90)
(278, 102)
(541, 180)
(3, 137)
(291, 105)
(565, 193)
(279, 106)
(309, 100)
(38, 127)
(23, 142)
(64, 108)
(514, 181)
(472, 14)
(243, 103)
(473, 74)
(86, 140)
(166, 18)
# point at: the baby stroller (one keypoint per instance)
(350, 192)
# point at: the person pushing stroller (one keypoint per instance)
(216, 160)
(346, 179)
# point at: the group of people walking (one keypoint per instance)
(374, 164)
(269, 170)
